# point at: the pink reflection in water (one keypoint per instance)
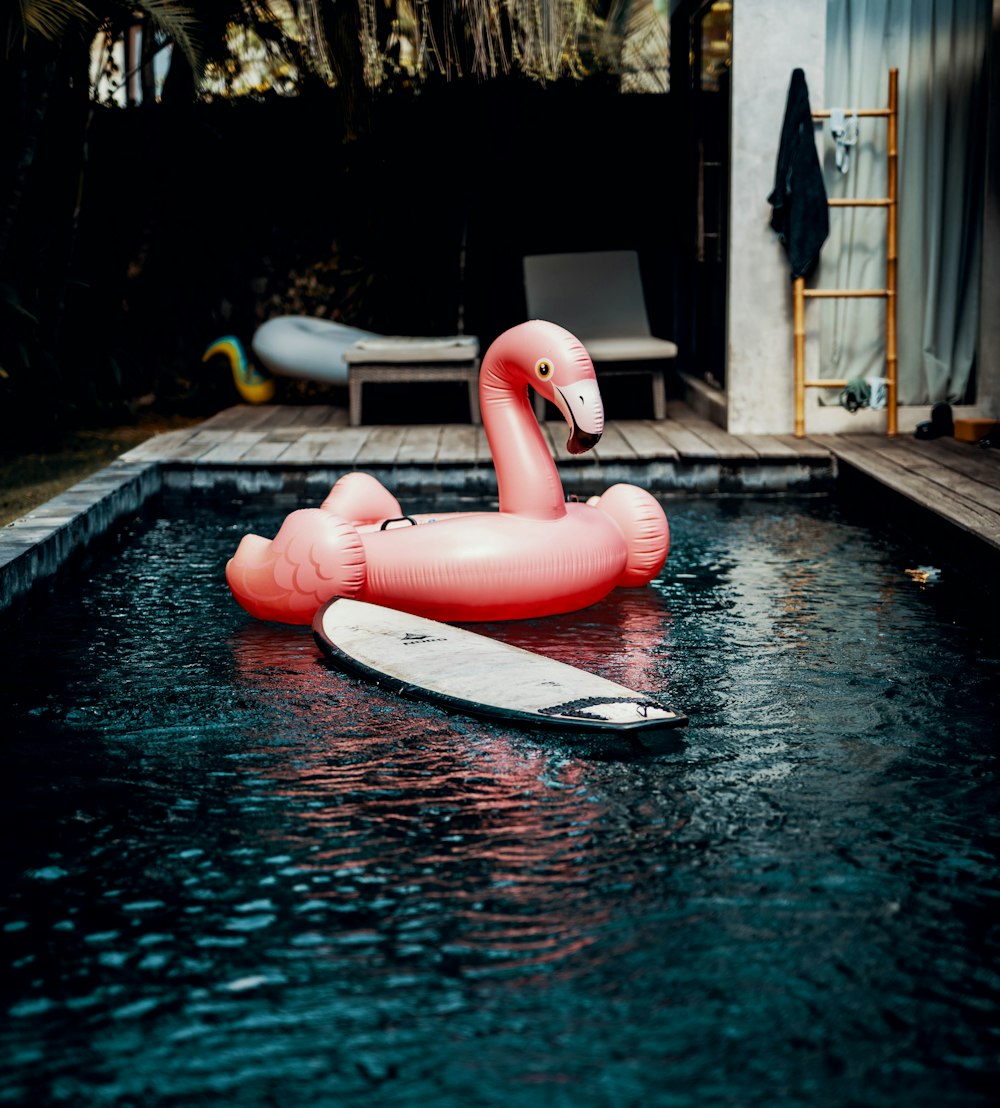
(625, 637)
(488, 845)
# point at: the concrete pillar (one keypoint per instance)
(770, 39)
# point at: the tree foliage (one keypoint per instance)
(54, 352)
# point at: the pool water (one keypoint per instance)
(231, 875)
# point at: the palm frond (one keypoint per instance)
(51, 18)
(177, 21)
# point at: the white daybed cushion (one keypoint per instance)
(402, 350)
(639, 349)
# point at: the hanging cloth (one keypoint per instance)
(845, 134)
(800, 213)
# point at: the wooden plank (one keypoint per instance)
(457, 443)
(284, 435)
(318, 415)
(343, 447)
(805, 448)
(192, 450)
(265, 451)
(279, 415)
(270, 417)
(184, 445)
(726, 445)
(944, 452)
(946, 478)
(645, 440)
(680, 433)
(686, 443)
(889, 471)
(419, 444)
(234, 448)
(614, 447)
(854, 444)
(730, 447)
(159, 446)
(306, 448)
(484, 455)
(772, 448)
(550, 441)
(282, 416)
(975, 492)
(381, 447)
(967, 458)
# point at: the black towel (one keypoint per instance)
(800, 214)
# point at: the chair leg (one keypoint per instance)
(659, 396)
(354, 401)
(474, 402)
(539, 402)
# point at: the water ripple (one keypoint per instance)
(233, 874)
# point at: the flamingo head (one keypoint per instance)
(556, 364)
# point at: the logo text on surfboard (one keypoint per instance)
(411, 638)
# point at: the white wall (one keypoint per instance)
(770, 39)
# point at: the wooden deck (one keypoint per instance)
(296, 453)
(285, 436)
(958, 482)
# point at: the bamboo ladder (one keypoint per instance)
(800, 293)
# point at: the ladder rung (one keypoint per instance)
(860, 202)
(861, 113)
(828, 294)
(826, 383)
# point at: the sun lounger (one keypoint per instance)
(599, 297)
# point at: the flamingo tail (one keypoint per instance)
(314, 557)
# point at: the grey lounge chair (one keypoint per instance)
(599, 297)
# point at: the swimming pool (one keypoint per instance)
(232, 875)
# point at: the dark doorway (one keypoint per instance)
(701, 33)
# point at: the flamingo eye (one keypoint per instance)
(543, 367)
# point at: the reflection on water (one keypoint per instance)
(626, 636)
(232, 874)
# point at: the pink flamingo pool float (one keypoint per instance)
(537, 556)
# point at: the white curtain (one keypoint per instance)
(941, 49)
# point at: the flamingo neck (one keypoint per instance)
(527, 479)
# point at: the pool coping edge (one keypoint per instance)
(39, 544)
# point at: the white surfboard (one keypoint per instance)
(470, 673)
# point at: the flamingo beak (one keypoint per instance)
(583, 409)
